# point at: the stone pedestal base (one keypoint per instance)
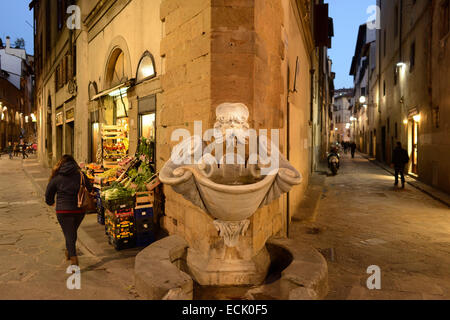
(212, 271)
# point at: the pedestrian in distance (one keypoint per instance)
(399, 159)
(24, 151)
(353, 149)
(65, 182)
(16, 149)
(10, 150)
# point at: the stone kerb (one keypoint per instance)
(158, 271)
(306, 277)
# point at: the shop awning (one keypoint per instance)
(108, 91)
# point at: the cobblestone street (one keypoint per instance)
(362, 220)
(32, 263)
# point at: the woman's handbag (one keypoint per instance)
(85, 200)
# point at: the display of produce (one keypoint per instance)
(124, 202)
(115, 145)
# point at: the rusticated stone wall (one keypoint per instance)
(225, 51)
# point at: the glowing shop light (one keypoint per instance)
(33, 117)
(400, 64)
(416, 118)
(26, 119)
(119, 92)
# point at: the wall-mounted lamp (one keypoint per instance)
(362, 99)
(405, 121)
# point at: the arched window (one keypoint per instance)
(146, 67)
(92, 89)
(115, 74)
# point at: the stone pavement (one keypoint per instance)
(32, 262)
(356, 219)
(410, 179)
(361, 220)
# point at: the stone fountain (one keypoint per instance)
(229, 178)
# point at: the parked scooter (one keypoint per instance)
(333, 160)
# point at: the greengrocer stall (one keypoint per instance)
(125, 195)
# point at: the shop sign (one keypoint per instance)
(59, 118)
(412, 112)
(70, 114)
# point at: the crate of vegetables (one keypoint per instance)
(117, 197)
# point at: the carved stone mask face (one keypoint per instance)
(231, 121)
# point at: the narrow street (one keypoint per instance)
(32, 262)
(362, 220)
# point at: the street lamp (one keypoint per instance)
(362, 99)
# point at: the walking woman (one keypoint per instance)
(65, 184)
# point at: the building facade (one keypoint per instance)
(408, 96)
(17, 110)
(342, 115)
(154, 66)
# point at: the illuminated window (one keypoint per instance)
(146, 68)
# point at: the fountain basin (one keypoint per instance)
(296, 273)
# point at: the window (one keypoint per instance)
(74, 61)
(412, 59)
(436, 117)
(445, 18)
(396, 21)
(47, 29)
(146, 67)
(57, 81)
(384, 88)
(384, 43)
(61, 13)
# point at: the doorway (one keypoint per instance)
(383, 144)
(414, 140)
(70, 138)
(59, 142)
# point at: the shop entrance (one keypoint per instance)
(383, 144)
(70, 128)
(59, 141)
(147, 122)
(413, 137)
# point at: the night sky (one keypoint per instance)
(14, 15)
(347, 16)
